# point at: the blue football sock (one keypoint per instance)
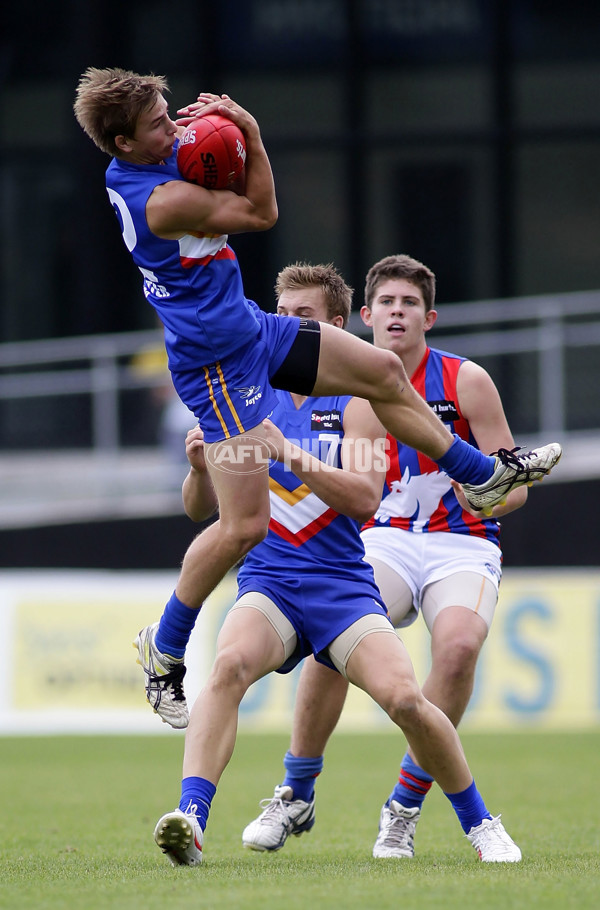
(196, 797)
(466, 464)
(300, 774)
(175, 627)
(413, 785)
(469, 806)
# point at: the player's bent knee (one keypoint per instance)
(232, 671)
(391, 375)
(403, 703)
(240, 537)
(460, 657)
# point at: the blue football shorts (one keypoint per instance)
(319, 607)
(235, 394)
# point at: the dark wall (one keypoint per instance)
(557, 527)
(466, 133)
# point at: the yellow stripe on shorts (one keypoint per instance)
(238, 422)
(213, 400)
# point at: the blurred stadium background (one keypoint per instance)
(463, 132)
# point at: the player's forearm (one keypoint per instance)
(260, 186)
(199, 497)
(355, 495)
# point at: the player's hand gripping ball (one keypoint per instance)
(212, 152)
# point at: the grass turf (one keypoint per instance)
(77, 815)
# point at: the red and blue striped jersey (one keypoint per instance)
(417, 494)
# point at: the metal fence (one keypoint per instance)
(543, 353)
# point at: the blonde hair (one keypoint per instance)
(401, 266)
(338, 294)
(109, 102)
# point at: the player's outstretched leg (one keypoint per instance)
(513, 469)
(356, 367)
(282, 815)
(163, 679)
(180, 837)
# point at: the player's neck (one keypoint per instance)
(412, 358)
(298, 399)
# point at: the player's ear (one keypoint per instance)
(430, 318)
(123, 144)
(366, 315)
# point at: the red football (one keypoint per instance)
(212, 152)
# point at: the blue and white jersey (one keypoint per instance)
(305, 535)
(311, 563)
(193, 283)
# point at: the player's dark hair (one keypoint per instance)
(338, 294)
(397, 267)
(109, 102)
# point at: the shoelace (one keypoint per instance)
(173, 679)
(510, 459)
(274, 811)
(494, 832)
(399, 833)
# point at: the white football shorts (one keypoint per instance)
(432, 571)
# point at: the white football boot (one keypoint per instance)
(180, 837)
(164, 680)
(492, 842)
(283, 815)
(396, 836)
(512, 470)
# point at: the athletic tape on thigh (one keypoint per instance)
(268, 608)
(341, 648)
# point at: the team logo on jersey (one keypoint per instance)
(445, 410)
(326, 420)
(251, 394)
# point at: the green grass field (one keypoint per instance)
(77, 816)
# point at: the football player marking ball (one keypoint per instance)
(212, 152)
